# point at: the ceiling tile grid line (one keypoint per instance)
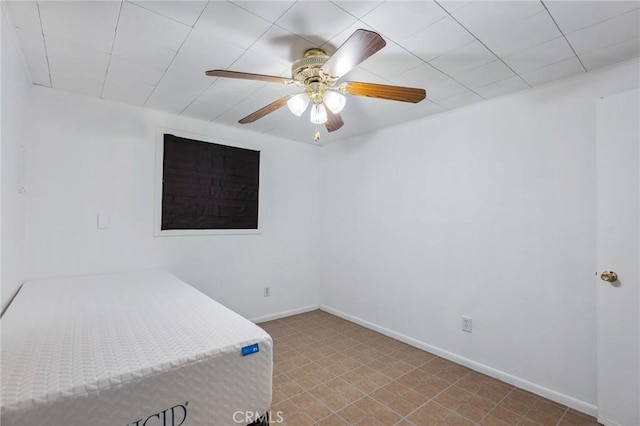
(418, 57)
(142, 5)
(563, 35)
(165, 71)
(417, 66)
(214, 80)
(113, 42)
(44, 39)
(481, 42)
(174, 57)
(237, 59)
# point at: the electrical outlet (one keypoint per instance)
(267, 291)
(466, 324)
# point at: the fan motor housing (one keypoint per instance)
(307, 69)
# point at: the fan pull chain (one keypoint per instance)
(316, 138)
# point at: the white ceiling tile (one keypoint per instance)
(183, 11)
(460, 100)
(540, 56)
(271, 92)
(204, 110)
(375, 107)
(34, 52)
(89, 24)
(229, 22)
(483, 17)
(425, 109)
(89, 87)
(471, 55)
(453, 5)
(188, 72)
(503, 87)
(438, 39)
(485, 74)
(208, 51)
(70, 61)
(360, 74)
(230, 91)
(398, 20)
(332, 45)
(606, 33)
(172, 95)
(419, 77)
(555, 71)
(281, 45)
(124, 70)
(259, 63)
(315, 21)
(628, 49)
(247, 106)
(262, 126)
(130, 92)
(148, 38)
(267, 10)
(519, 35)
(574, 15)
(391, 61)
(359, 109)
(358, 8)
(24, 15)
(443, 89)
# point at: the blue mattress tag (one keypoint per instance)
(251, 349)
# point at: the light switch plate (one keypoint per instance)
(104, 221)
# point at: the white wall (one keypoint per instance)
(91, 156)
(489, 212)
(15, 91)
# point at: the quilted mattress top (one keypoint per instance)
(72, 336)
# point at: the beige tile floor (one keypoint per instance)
(328, 371)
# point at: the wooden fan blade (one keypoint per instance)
(265, 110)
(356, 49)
(249, 76)
(382, 91)
(334, 121)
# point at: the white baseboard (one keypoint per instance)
(607, 422)
(283, 314)
(558, 397)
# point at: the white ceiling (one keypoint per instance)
(154, 53)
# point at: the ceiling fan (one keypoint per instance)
(317, 74)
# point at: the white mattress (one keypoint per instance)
(119, 349)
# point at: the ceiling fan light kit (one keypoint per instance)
(334, 101)
(298, 103)
(318, 114)
(317, 73)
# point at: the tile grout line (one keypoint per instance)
(379, 387)
(365, 394)
(562, 416)
(498, 403)
(349, 333)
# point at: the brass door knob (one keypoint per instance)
(609, 276)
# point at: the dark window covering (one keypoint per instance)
(209, 186)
